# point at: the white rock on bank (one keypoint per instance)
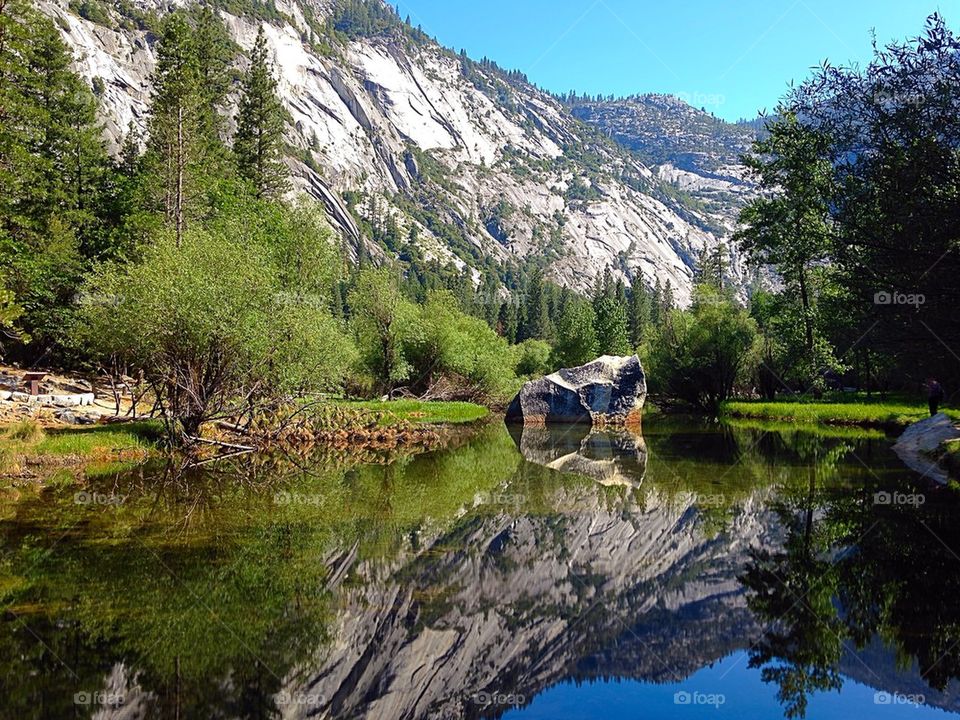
(921, 440)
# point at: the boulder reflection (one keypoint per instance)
(609, 456)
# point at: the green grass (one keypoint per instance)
(820, 430)
(26, 440)
(420, 412)
(951, 457)
(851, 409)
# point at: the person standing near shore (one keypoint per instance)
(934, 395)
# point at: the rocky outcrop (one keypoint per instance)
(609, 390)
(920, 444)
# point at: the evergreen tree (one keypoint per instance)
(261, 122)
(185, 147)
(640, 311)
(666, 302)
(537, 324)
(54, 171)
(656, 303)
(507, 321)
(214, 51)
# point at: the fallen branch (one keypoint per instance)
(220, 443)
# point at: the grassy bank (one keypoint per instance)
(849, 409)
(26, 443)
(419, 412)
(820, 430)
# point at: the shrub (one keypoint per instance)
(213, 326)
(700, 354)
(451, 343)
(533, 358)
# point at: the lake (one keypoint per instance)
(699, 570)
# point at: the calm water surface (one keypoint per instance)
(698, 571)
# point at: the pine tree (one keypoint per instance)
(185, 146)
(175, 112)
(656, 304)
(54, 170)
(261, 122)
(507, 321)
(640, 311)
(214, 52)
(537, 309)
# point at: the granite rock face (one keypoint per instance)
(609, 390)
(409, 124)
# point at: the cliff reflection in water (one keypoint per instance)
(609, 456)
(463, 582)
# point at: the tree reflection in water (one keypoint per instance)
(876, 558)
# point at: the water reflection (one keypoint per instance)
(611, 457)
(466, 581)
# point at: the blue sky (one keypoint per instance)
(731, 57)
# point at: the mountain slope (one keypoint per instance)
(403, 140)
(694, 151)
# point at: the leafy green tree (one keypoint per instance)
(701, 354)
(461, 349)
(892, 136)
(533, 358)
(789, 227)
(214, 324)
(9, 313)
(576, 335)
(383, 321)
(261, 123)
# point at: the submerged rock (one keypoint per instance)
(609, 390)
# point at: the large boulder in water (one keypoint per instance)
(609, 390)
